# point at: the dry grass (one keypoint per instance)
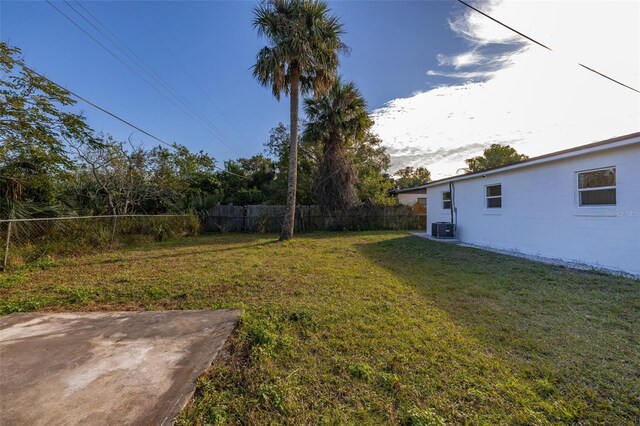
(375, 328)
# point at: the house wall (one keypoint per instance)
(410, 199)
(540, 213)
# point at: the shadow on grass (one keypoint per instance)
(578, 329)
(181, 248)
(192, 246)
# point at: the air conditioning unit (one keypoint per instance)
(442, 230)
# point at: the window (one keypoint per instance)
(446, 200)
(422, 201)
(494, 196)
(597, 187)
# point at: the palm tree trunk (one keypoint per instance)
(290, 212)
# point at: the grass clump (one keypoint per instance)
(425, 417)
(22, 305)
(361, 370)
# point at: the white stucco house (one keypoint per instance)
(579, 205)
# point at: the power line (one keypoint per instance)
(112, 53)
(93, 38)
(228, 143)
(546, 47)
(150, 71)
(82, 98)
(117, 117)
(162, 83)
(185, 69)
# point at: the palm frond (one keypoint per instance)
(301, 34)
(342, 111)
(270, 71)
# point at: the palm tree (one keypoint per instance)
(301, 57)
(335, 121)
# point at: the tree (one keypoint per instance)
(119, 178)
(183, 180)
(248, 180)
(302, 57)
(112, 175)
(409, 177)
(277, 147)
(259, 169)
(495, 156)
(335, 121)
(371, 160)
(33, 128)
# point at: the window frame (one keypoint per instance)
(423, 202)
(446, 200)
(492, 197)
(579, 190)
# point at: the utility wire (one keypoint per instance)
(163, 84)
(113, 54)
(94, 39)
(138, 74)
(185, 69)
(117, 117)
(150, 71)
(546, 47)
(82, 98)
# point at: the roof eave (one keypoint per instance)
(617, 142)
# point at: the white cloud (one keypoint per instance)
(535, 100)
(473, 27)
(460, 61)
(466, 75)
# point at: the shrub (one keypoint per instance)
(34, 240)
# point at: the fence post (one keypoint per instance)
(6, 246)
(244, 219)
(113, 231)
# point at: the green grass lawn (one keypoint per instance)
(375, 328)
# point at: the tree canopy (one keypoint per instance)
(277, 148)
(34, 124)
(304, 43)
(52, 163)
(495, 156)
(370, 161)
(408, 177)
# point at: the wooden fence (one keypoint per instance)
(268, 218)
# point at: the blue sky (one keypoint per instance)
(442, 82)
(392, 45)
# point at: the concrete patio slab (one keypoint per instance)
(105, 368)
